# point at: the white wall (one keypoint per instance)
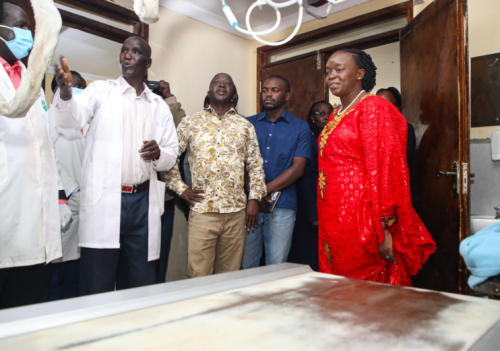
(188, 53)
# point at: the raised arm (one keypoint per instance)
(70, 112)
(175, 107)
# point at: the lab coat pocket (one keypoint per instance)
(93, 182)
(4, 165)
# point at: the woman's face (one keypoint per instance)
(321, 113)
(343, 76)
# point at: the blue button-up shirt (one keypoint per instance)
(279, 143)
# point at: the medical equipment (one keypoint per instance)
(277, 6)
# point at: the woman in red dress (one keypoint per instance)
(368, 228)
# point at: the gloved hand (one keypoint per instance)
(66, 218)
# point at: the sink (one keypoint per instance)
(478, 222)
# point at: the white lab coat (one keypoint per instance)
(100, 202)
(69, 146)
(30, 227)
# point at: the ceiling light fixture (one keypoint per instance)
(277, 6)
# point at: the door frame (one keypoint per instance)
(100, 8)
(368, 19)
(463, 154)
(464, 151)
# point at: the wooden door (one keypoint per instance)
(307, 81)
(434, 83)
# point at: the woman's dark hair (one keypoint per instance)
(395, 92)
(314, 128)
(364, 61)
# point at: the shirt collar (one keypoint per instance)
(17, 66)
(285, 116)
(6, 64)
(232, 111)
(124, 86)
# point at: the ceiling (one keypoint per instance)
(210, 12)
(97, 58)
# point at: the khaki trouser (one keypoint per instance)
(216, 242)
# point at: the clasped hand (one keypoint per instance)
(150, 150)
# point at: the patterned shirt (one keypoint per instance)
(218, 151)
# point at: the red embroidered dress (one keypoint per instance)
(363, 186)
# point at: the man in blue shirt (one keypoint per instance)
(284, 142)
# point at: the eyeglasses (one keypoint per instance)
(322, 114)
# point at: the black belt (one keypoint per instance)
(132, 189)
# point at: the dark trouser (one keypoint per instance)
(64, 280)
(167, 227)
(128, 266)
(20, 286)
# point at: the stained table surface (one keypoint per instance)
(301, 310)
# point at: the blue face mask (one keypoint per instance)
(21, 45)
(76, 91)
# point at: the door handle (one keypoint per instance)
(453, 174)
(446, 174)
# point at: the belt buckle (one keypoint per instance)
(128, 189)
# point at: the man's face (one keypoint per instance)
(134, 58)
(14, 17)
(274, 94)
(222, 89)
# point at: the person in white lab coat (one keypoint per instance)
(131, 137)
(30, 222)
(69, 145)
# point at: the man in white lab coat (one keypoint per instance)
(131, 137)
(30, 224)
(69, 145)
